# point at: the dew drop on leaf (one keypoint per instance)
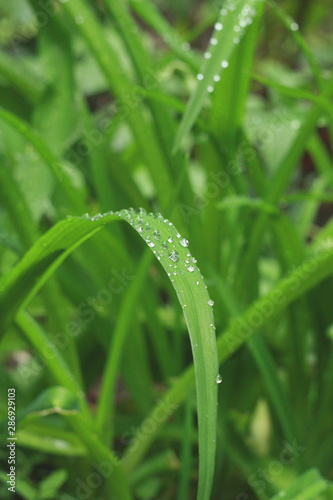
(218, 379)
(210, 302)
(190, 269)
(156, 234)
(174, 256)
(184, 242)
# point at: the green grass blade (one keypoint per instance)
(26, 83)
(308, 486)
(303, 278)
(172, 252)
(279, 184)
(47, 156)
(121, 86)
(150, 14)
(230, 28)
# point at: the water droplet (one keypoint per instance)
(218, 26)
(148, 226)
(207, 55)
(164, 245)
(183, 242)
(236, 28)
(170, 239)
(213, 41)
(224, 64)
(217, 78)
(79, 20)
(236, 40)
(223, 12)
(150, 244)
(174, 256)
(156, 234)
(294, 26)
(210, 89)
(197, 282)
(186, 46)
(218, 379)
(190, 269)
(140, 229)
(210, 302)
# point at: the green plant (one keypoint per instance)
(109, 106)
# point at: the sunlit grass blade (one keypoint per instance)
(172, 252)
(229, 30)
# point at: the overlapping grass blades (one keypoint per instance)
(172, 252)
(229, 30)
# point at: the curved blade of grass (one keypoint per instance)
(230, 28)
(172, 252)
(22, 80)
(303, 278)
(293, 27)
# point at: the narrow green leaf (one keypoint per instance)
(172, 252)
(229, 29)
(304, 277)
(307, 487)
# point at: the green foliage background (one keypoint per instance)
(218, 115)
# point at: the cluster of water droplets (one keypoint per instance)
(244, 19)
(167, 247)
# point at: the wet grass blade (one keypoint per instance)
(304, 277)
(172, 252)
(229, 30)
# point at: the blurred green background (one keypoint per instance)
(93, 96)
